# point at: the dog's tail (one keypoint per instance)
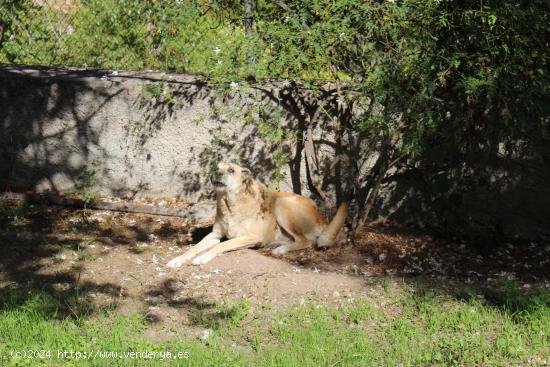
(327, 237)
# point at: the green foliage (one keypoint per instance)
(275, 135)
(87, 181)
(433, 72)
(159, 92)
(441, 85)
(224, 315)
(15, 212)
(127, 34)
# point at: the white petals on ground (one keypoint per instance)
(205, 334)
(160, 273)
(201, 276)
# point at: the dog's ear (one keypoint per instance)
(247, 178)
(246, 172)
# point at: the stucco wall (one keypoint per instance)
(59, 125)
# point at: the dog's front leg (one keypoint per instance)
(234, 244)
(212, 239)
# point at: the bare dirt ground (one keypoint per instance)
(113, 259)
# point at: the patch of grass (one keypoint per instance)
(13, 211)
(80, 252)
(429, 329)
(31, 321)
(225, 314)
(388, 286)
(361, 312)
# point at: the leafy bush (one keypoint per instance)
(127, 34)
(467, 66)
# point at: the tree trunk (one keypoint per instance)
(1, 32)
(248, 25)
(384, 166)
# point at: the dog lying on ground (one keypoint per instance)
(249, 214)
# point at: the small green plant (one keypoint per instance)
(159, 92)
(80, 252)
(223, 315)
(16, 213)
(276, 135)
(87, 181)
(279, 175)
(236, 312)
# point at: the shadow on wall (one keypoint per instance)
(265, 129)
(55, 124)
(59, 128)
(484, 196)
(30, 154)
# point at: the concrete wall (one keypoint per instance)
(59, 127)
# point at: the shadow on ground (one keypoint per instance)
(90, 262)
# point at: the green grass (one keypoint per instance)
(418, 329)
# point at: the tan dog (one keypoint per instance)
(250, 214)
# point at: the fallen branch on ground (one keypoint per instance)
(188, 212)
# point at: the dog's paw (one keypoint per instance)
(279, 251)
(202, 259)
(176, 263)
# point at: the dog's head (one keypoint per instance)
(231, 178)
